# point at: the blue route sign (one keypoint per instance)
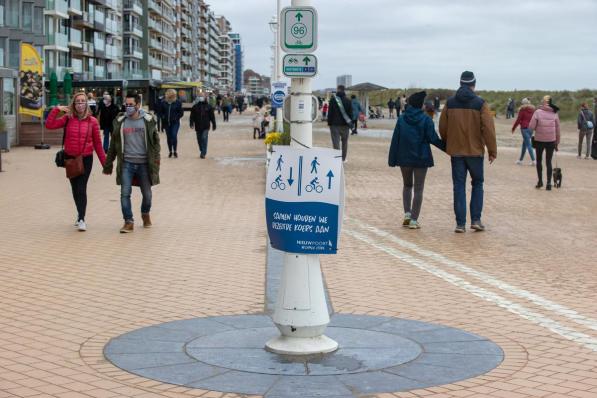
(304, 197)
(278, 93)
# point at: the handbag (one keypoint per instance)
(588, 123)
(59, 159)
(74, 166)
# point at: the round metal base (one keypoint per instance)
(301, 346)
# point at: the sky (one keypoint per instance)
(508, 44)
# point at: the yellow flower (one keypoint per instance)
(273, 138)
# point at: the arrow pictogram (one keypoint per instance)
(306, 60)
(299, 16)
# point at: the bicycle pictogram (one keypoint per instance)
(277, 183)
(314, 185)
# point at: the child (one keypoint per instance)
(324, 111)
(411, 151)
(257, 123)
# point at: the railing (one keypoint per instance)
(112, 52)
(169, 49)
(112, 26)
(75, 36)
(113, 4)
(77, 65)
(100, 72)
(99, 45)
(155, 43)
(134, 5)
(155, 24)
(88, 47)
(75, 6)
(100, 17)
(152, 5)
(155, 62)
(58, 39)
(60, 6)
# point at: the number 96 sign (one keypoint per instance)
(299, 30)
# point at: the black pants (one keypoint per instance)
(355, 126)
(549, 148)
(79, 187)
(226, 113)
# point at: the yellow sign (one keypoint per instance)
(31, 76)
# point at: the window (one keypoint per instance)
(2, 4)
(12, 15)
(2, 51)
(14, 51)
(38, 20)
(28, 17)
(9, 96)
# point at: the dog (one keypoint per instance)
(557, 177)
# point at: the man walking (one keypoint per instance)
(466, 126)
(202, 114)
(136, 145)
(107, 111)
(356, 111)
(339, 120)
(391, 106)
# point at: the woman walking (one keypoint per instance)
(170, 113)
(525, 113)
(586, 124)
(411, 150)
(81, 137)
(546, 125)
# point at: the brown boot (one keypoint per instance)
(127, 227)
(146, 220)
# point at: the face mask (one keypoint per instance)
(107, 101)
(130, 110)
(201, 99)
(81, 107)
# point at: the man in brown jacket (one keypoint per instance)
(466, 126)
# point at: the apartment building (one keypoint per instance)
(226, 79)
(238, 61)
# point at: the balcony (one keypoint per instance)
(133, 52)
(113, 4)
(134, 6)
(170, 33)
(133, 28)
(186, 59)
(99, 20)
(100, 72)
(153, 6)
(133, 74)
(84, 21)
(155, 62)
(169, 15)
(112, 52)
(57, 41)
(77, 65)
(88, 49)
(155, 25)
(57, 8)
(74, 7)
(113, 27)
(154, 43)
(75, 38)
(169, 49)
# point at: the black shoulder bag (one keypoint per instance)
(60, 154)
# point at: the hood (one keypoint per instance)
(413, 116)
(527, 108)
(465, 94)
(546, 108)
(341, 94)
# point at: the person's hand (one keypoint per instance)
(64, 109)
(491, 159)
(557, 149)
(107, 172)
(512, 131)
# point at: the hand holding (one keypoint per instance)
(491, 159)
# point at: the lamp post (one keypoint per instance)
(274, 25)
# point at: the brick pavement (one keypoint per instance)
(527, 283)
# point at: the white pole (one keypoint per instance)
(277, 66)
(301, 312)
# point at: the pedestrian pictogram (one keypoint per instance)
(299, 30)
(314, 164)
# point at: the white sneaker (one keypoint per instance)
(519, 162)
(81, 226)
(532, 163)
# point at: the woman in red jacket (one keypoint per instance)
(525, 113)
(81, 137)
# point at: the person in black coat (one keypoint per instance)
(170, 113)
(107, 112)
(202, 114)
(339, 120)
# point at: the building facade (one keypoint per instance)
(238, 61)
(344, 80)
(255, 84)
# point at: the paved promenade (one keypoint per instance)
(528, 283)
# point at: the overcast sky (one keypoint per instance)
(508, 44)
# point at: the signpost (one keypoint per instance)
(278, 93)
(304, 199)
(299, 29)
(299, 65)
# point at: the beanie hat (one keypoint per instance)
(416, 99)
(467, 78)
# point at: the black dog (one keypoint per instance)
(557, 177)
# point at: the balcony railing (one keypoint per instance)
(152, 5)
(114, 4)
(155, 62)
(134, 5)
(88, 47)
(155, 24)
(57, 39)
(99, 17)
(74, 7)
(133, 52)
(99, 45)
(134, 74)
(75, 38)
(134, 28)
(112, 52)
(77, 65)
(100, 72)
(57, 6)
(155, 44)
(112, 26)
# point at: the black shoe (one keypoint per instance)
(176, 154)
(202, 156)
(539, 185)
(548, 187)
(170, 155)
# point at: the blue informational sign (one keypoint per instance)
(304, 197)
(278, 93)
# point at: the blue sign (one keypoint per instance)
(303, 199)
(278, 94)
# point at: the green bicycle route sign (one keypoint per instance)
(299, 29)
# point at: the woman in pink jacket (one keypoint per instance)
(81, 137)
(546, 124)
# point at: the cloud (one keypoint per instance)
(509, 44)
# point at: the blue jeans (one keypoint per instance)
(526, 144)
(474, 166)
(202, 141)
(107, 133)
(172, 136)
(129, 172)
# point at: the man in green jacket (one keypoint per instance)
(136, 144)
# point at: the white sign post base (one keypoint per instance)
(301, 312)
